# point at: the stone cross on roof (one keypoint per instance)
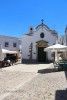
(42, 21)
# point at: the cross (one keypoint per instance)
(42, 21)
(54, 26)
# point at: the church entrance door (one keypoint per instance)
(41, 54)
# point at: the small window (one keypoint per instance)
(31, 28)
(14, 44)
(42, 35)
(6, 44)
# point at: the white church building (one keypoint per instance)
(34, 42)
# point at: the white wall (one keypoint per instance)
(27, 40)
(11, 40)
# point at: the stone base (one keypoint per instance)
(34, 61)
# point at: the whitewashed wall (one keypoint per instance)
(27, 40)
(10, 40)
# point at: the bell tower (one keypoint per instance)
(31, 30)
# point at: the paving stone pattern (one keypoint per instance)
(49, 86)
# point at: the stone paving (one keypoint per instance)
(30, 85)
(27, 67)
(9, 80)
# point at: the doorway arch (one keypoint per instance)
(41, 55)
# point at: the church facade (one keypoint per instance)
(35, 41)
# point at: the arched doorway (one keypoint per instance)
(41, 54)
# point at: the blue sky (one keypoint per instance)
(17, 15)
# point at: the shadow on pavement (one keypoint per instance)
(50, 70)
(65, 74)
(61, 95)
(4, 66)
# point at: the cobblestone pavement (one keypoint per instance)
(51, 86)
(12, 80)
(48, 85)
(27, 67)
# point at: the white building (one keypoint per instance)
(10, 45)
(35, 41)
(61, 39)
(65, 36)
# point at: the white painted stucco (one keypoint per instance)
(28, 39)
(10, 40)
